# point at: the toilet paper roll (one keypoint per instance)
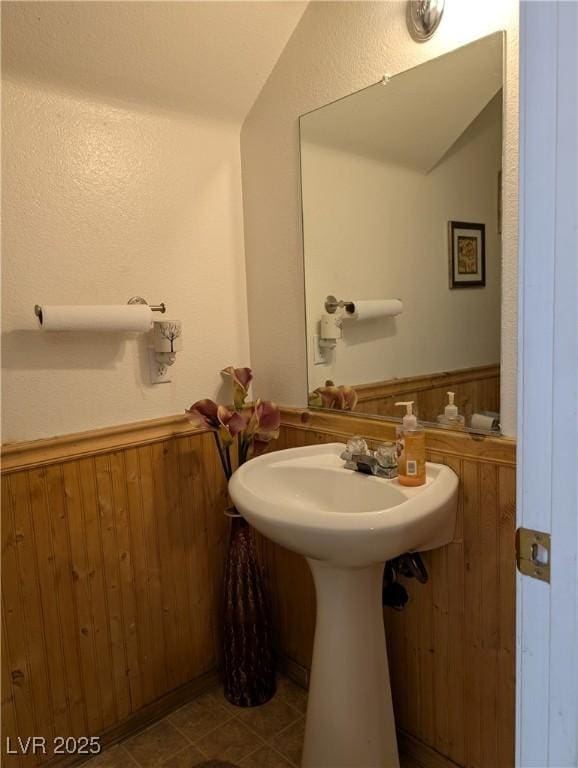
(361, 309)
(105, 317)
(484, 421)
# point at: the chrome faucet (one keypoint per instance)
(382, 462)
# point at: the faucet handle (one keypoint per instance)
(386, 455)
(357, 445)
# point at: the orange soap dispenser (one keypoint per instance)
(410, 448)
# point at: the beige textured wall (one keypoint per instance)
(102, 202)
(336, 49)
(122, 176)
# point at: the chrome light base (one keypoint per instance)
(423, 18)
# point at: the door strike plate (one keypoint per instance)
(533, 553)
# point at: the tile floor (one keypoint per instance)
(209, 728)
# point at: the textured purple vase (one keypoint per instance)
(248, 665)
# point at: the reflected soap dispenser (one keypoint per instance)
(451, 417)
(410, 448)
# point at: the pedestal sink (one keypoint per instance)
(347, 525)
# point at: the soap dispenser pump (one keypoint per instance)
(451, 416)
(410, 448)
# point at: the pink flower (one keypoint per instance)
(242, 377)
(203, 413)
(206, 413)
(230, 424)
(265, 420)
(349, 398)
(263, 426)
(331, 396)
(340, 398)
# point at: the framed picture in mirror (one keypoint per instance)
(467, 254)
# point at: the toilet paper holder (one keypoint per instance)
(133, 300)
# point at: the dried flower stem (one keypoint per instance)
(226, 466)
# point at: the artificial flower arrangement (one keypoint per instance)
(252, 427)
(341, 398)
(248, 664)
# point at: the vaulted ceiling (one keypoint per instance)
(207, 58)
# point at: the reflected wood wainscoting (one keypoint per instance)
(451, 651)
(113, 546)
(476, 389)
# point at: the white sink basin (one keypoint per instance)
(304, 499)
(347, 525)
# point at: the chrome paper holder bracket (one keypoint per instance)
(154, 307)
(332, 305)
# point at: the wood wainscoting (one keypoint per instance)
(452, 650)
(113, 546)
(476, 389)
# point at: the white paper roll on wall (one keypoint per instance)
(373, 310)
(103, 317)
(485, 421)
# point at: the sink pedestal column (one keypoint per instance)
(350, 721)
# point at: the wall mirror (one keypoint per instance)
(401, 189)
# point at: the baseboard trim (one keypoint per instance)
(144, 717)
(421, 753)
(293, 670)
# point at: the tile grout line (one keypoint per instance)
(277, 733)
(275, 749)
(266, 741)
(231, 715)
(126, 752)
(196, 743)
(286, 728)
(291, 763)
(172, 754)
(192, 741)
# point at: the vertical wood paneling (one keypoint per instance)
(82, 598)
(114, 617)
(451, 651)
(472, 680)
(454, 586)
(490, 631)
(32, 606)
(48, 598)
(9, 728)
(101, 627)
(149, 645)
(15, 646)
(64, 595)
(506, 616)
(111, 584)
(157, 626)
(124, 550)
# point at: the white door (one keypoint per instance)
(547, 632)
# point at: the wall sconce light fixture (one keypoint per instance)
(423, 18)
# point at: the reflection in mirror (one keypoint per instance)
(401, 223)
